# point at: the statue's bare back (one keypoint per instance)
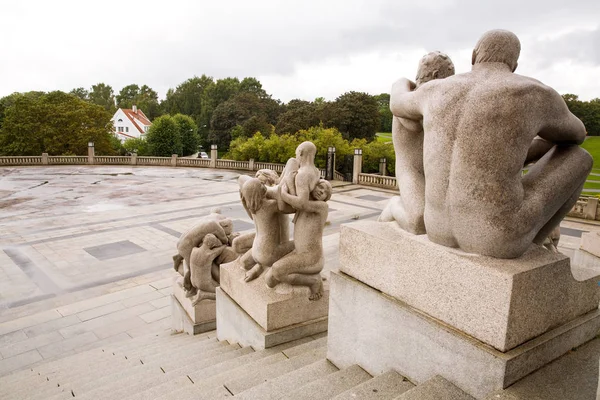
(478, 128)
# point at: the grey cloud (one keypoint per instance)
(581, 46)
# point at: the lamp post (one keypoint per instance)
(330, 164)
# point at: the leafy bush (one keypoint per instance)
(164, 138)
(136, 145)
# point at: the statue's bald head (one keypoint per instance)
(497, 46)
(306, 151)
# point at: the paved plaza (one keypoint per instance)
(86, 251)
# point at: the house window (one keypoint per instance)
(120, 129)
(126, 129)
(145, 129)
(120, 120)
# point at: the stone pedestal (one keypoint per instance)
(401, 302)
(253, 314)
(590, 242)
(191, 319)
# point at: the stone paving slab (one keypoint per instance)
(59, 288)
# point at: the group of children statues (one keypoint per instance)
(268, 200)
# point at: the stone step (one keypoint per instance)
(71, 362)
(118, 369)
(383, 387)
(209, 387)
(331, 385)
(252, 378)
(142, 373)
(140, 382)
(206, 372)
(117, 363)
(179, 377)
(278, 387)
(434, 389)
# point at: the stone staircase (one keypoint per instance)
(166, 366)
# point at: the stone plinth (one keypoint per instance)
(503, 303)
(191, 319)
(236, 326)
(252, 314)
(380, 333)
(272, 308)
(590, 242)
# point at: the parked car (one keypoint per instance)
(203, 154)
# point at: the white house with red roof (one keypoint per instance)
(130, 123)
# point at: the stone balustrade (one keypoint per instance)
(586, 207)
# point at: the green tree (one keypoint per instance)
(188, 131)
(373, 152)
(144, 97)
(103, 95)
(136, 145)
(299, 115)
(56, 123)
(80, 92)
(127, 96)
(189, 98)
(354, 114)
(385, 115)
(163, 137)
(587, 111)
(246, 110)
(21, 133)
(253, 85)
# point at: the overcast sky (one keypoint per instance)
(296, 48)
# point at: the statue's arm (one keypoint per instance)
(404, 101)
(559, 125)
(303, 180)
(308, 206)
(538, 148)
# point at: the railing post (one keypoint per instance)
(357, 165)
(251, 164)
(45, 158)
(589, 211)
(174, 160)
(91, 153)
(134, 159)
(383, 166)
(213, 156)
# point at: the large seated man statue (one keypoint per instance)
(478, 128)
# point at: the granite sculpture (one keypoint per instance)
(407, 136)
(478, 129)
(200, 251)
(299, 191)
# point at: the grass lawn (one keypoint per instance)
(592, 145)
(384, 136)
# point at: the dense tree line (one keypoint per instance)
(279, 148)
(198, 112)
(56, 123)
(587, 111)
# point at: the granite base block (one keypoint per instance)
(503, 303)
(590, 242)
(203, 312)
(381, 333)
(276, 308)
(181, 321)
(236, 326)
